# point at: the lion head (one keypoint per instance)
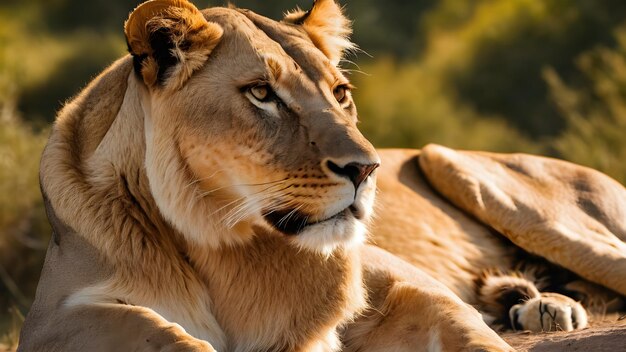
(250, 123)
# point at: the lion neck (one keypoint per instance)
(269, 294)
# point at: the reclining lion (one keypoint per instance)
(211, 192)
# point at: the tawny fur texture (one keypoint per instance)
(212, 192)
(327, 27)
(566, 213)
(533, 202)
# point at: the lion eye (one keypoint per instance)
(261, 92)
(340, 93)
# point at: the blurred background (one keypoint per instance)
(546, 77)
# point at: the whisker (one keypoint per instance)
(350, 71)
(290, 214)
(248, 207)
(206, 193)
(241, 211)
(243, 198)
(204, 178)
(228, 204)
(252, 205)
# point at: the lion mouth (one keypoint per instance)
(292, 222)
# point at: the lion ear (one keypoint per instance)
(169, 40)
(327, 27)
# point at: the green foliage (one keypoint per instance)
(10, 339)
(492, 52)
(24, 230)
(40, 69)
(595, 110)
(85, 53)
(408, 106)
(19, 162)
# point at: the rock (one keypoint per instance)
(603, 337)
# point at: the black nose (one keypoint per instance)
(355, 172)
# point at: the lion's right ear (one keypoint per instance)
(327, 27)
(169, 40)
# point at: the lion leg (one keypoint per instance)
(410, 311)
(514, 302)
(111, 327)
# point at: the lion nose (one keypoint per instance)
(355, 172)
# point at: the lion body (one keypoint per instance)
(415, 223)
(191, 212)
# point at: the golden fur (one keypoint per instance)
(211, 192)
(566, 213)
(571, 215)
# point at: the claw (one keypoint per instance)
(549, 312)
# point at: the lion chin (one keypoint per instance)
(346, 228)
(342, 230)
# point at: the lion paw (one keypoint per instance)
(549, 312)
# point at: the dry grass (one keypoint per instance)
(10, 339)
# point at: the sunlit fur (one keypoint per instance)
(535, 311)
(327, 27)
(427, 209)
(160, 183)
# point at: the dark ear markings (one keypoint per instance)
(137, 61)
(164, 34)
(161, 43)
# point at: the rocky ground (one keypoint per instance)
(607, 335)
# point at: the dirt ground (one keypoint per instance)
(607, 335)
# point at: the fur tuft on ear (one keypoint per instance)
(169, 40)
(327, 27)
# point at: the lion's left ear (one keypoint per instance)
(327, 27)
(169, 40)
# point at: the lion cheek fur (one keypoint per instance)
(216, 204)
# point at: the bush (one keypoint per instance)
(24, 230)
(492, 52)
(595, 110)
(407, 105)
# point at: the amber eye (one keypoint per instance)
(261, 92)
(340, 93)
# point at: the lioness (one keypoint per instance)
(211, 191)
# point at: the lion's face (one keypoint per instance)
(265, 133)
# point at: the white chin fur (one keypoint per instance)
(326, 237)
